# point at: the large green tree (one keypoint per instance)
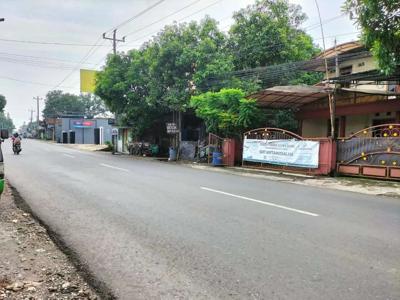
(380, 25)
(268, 33)
(182, 60)
(58, 103)
(184, 57)
(3, 102)
(6, 122)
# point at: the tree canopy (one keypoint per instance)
(268, 33)
(380, 25)
(6, 122)
(3, 102)
(191, 59)
(58, 103)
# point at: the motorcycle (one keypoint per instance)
(17, 148)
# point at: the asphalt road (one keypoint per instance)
(153, 230)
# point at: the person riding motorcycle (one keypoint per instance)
(16, 143)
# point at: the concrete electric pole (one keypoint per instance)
(114, 40)
(31, 111)
(37, 108)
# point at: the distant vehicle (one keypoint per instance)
(3, 136)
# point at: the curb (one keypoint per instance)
(343, 184)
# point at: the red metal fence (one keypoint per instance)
(371, 152)
(326, 158)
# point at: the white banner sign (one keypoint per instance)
(303, 154)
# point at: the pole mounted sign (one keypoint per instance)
(172, 128)
(114, 131)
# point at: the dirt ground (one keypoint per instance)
(31, 265)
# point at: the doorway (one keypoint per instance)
(97, 136)
(72, 137)
(65, 137)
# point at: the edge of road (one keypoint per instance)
(366, 186)
(101, 288)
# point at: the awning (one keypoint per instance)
(289, 96)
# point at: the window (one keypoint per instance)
(346, 70)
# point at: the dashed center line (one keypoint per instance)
(115, 168)
(262, 202)
(68, 155)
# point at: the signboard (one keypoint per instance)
(114, 131)
(83, 124)
(88, 81)
(295, 153)
(172, 128)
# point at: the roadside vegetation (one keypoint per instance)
(197, 59)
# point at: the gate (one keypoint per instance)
(326, 155)
(371, 152)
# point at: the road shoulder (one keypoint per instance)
(32, 266)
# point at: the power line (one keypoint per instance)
(195, 13)
(317, 25)
(141, 13)
(45, 43)
(88, 54)
(38, 58)
(35, 64)
(31, 82)
(93, 48)
(164, 18)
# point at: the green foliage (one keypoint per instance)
(187, 64)
(267, 33)
(92, 104)
(284, 119)
(110, 146)
(227, 112)
(3, 102)
(59, 103)
(308, 78)
(380, 25)
(6, 122)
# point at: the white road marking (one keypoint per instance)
(115, 168)
(262, 202)
(68, 155)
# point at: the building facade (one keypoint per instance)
(83, 131)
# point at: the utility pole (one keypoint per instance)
(31, 111)
(37, 109)
(114, 40)
(331, 97)
(37, 114)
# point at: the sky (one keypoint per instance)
(67, 37)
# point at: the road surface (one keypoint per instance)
(153, 230)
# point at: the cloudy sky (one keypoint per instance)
(44, 43)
